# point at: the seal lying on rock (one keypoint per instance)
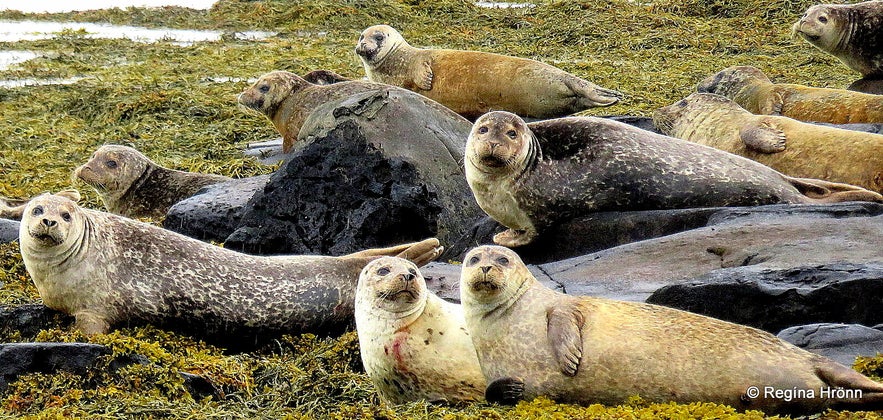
(132, 185)
(753, 90)
(792, 147)
(532, 341)
(11, 208)
(472, 82)
(108, 270)
(414, 345)
(531, 176)
(851, 32)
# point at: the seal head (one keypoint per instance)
(113, 170)
(270, 90)
(392, 285)
(850, 32)
(377, 42)
(728, 82)
(51, 221)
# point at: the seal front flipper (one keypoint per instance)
(423, 76)
(763, 137)
(564, 333)
(773, 103)
(505, 391)
(91, 323)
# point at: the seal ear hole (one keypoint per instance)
(111, 164)
(383, 271)
(503, 261)
(482, 130)
(264, 88)
(473, 260)
(66, 216)
(37, 211)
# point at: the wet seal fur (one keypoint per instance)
(414, 345)
(529, 177)
(132, 185)
(107, 270)
(12, 208)
(792, 147)
(287, 99)
(851, 32)
(472, 83)
(532, 341)
(755, 92)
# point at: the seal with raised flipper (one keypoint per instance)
(851, 32)
(533, 341)
(414, 345)
(753, 90)
(532, 176)
(107, 270)
(132, 185)
(789, 146)
(472, 82)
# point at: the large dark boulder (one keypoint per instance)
(370, 170)
(841, 342)
(873, 85)
(20, 358)
(8, 231)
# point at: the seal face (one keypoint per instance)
(472, 83)
(851, 32)
(534, 341)
(107, 270)
(13, 208)
(531, 176)
(132, 185)
(414, 345)
(753, 90)
(797, 149)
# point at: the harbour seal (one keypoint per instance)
(753, 90)
(414, 345)
(287, 99)
(12, 208)
(789, 146)
(533, 341)
(132, 185)
(472, 82)
(851, 32)
(529, 177)
(107, 270)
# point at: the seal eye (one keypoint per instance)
(473, 261)
(412, 271)
(264, 88)
(503, 261)
(37, 211)
(823, 19)
(378, 37)
(482, 130)
(511, 134)
(382, 271)
(111, 164)
(66, 216)
(682, 103)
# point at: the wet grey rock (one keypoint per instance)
(20, 358)
(874, 128)
(873, 85)
(840, 342)
(28, 320)
(8, 231)
(216, 210)
(267, 152)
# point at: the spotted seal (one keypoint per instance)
(534, 341)
(12, 208)
(132, 185)
(472, 82)
(792, 147)
(107, 270)
(414, 345)
(753, 90)
(851, 32)
(531, 176)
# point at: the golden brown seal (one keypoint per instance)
(414, 345)
(792, 147)
(472, 83)
(754, 91)
(851, 32)
(107, 270)
(534, 341)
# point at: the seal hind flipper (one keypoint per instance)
(420, 253)
(565, 325)
(836, 375)
(832, 192)
(512, 238)
(763, 138)
(505, 391)
(591, 95)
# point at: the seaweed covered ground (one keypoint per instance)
(177, 105)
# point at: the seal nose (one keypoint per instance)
(494, 145)
(49, 223)
(485, 269)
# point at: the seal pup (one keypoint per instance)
(107, 270)
(414, 345)
(12, 208)
(792, 147)
(287, 99)
(754, 91)
(472, 82)
(132, 185)
(534, 341)
(851, 32)
(529, 177)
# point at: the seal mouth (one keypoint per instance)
(493, 161)
(45, 238)
(366, 53)
(485, 285)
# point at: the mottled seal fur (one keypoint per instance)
(12, 208)
(324, 77)
(789, 146)
(529, 177)
(107, 270)
(532, 341)
(754, 91)
(287, 99)
(414, 345)
(132, 185)
(472, 82)
(851, 32)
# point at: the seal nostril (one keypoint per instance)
(408, 277)
(49, 223)
(485, 269)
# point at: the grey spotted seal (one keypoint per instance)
(531, 176)
(472, 83)
(414, 345)
(12, 208)
(789, 146)
(287, 99)
(132, 185)
(753, 90)
(851, 32)
(107, 270)
(533, 341)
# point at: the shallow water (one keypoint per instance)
(8, 58)
(29, 30)
(54, 6)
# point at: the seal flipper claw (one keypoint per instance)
(832, 192)
(565, 325)
(763, 138)
(505, 391)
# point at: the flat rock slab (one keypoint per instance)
(20, 358)
(841, 342)
(28, 320)
(8, 231)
